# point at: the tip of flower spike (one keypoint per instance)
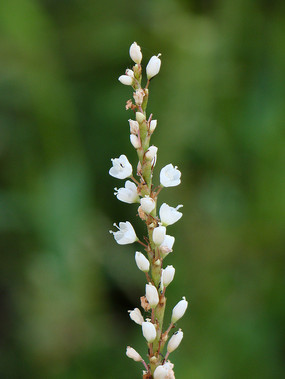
(179, 206)
(158, 55)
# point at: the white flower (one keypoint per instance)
(142, 262)
(167, 244)
(170, 176)
(174, 341)
(133, 354)
(158, 235)
(151, 295)
(136, 316)
(152, 125)
(122, 168)
(169, 215)
(179, 310)
(134, 127)
(164, 371)
(153, 66)
(135, 53)
(127, 194)
(167, 275)
(125, 234)
(147, 204)
(135, 141)
(149, 331)
(126, 80)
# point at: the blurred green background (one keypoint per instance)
(65, 285)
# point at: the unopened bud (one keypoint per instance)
(126, 80)
(135, 53)
(149, 331)
(142, 262)
(140, 117)
(147, 204)
(152, 125)
(136, 316)
(153, 66)
(151, 295)
(151, 153)
(133, 354)
(134, 127)
(135, 141)
(129, 72)
(159, 235)
(174, 341)
(167, 275)
(179, 310)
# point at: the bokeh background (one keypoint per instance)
(65, 285)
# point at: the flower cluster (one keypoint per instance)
(158, 244)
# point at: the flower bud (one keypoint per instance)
(134, 127)
(147, 204)
(135, 53)
(151, 295)
(164, 371)
(133, 354)
(179, 310)
(142, 262)
(140, 117)
(135, 141)
(149, 331)
(167, 275)
(151, 153)
(126, 80)
(153, 66)
(159, 235)
(174, 341)
(152, 125)
(136, 316)
(130, 73)
(167, 244)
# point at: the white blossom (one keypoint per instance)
(179, 310)
(158, 235)
(135, 141)
(164, 371)
(152, 125)
(125, 233)
(142, 262)
(136, 316)
(153, 66)
(151, 295)
(135, 53)
(167, 244)
(149, 331)
(167, 275)
(134, 127)
(133, 354)
(126, 80)
(174, 341)
(169, 215)
(147, 204)
(127, 194)
(122, 168)
(170, 176)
